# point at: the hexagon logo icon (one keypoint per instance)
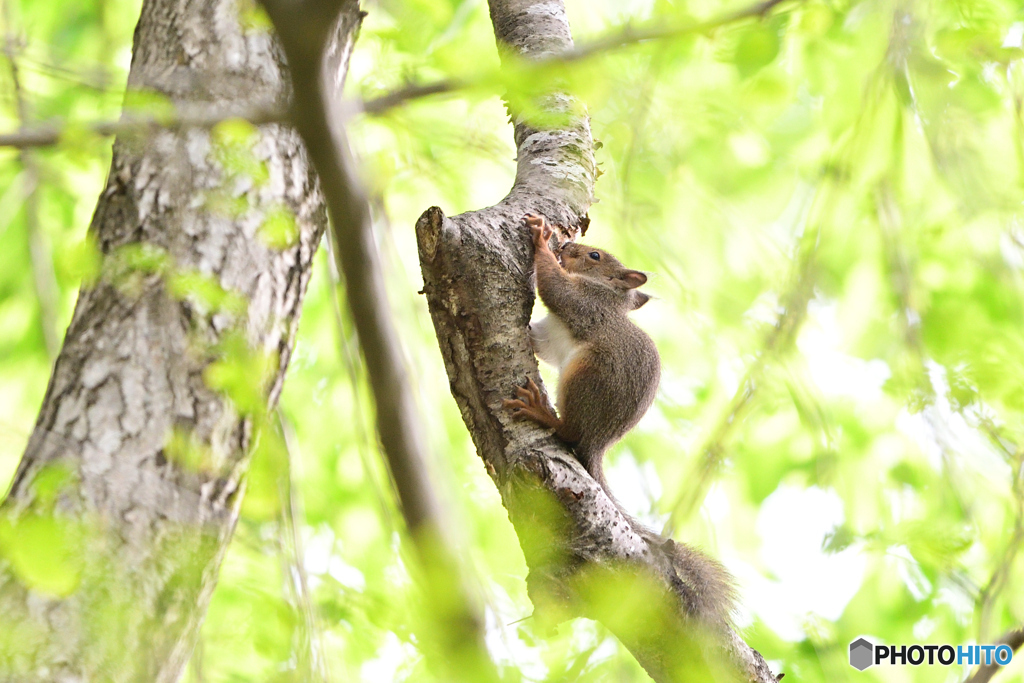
(862, 654)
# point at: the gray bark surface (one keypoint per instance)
(149, 531)
(477, 271)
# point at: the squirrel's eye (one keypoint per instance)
(596, 255)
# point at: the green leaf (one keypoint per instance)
(757, 47)
(44, 552)
(205, 293)
(150, 104)
(233, 141)
(279, 229)
(241, 373)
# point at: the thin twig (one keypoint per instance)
(983, 674)
(1000, 577)
(349, 350)
(44, 280)
(889, 221)
(379, 105)
(778, 339)
(134, 124)
(901, 279)
(623, 37)
(305, 33)
(291, 538)
(97, 76)
(50, 134)
(632, 36)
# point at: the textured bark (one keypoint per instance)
(477, 271)
(148, 531)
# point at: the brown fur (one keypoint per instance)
(608, 381)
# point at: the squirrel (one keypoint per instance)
(608, 376)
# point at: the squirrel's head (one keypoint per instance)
(600, 265)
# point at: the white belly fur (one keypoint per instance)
(552, 342)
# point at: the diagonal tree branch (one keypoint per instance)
(477, 271)
(989, 595)
(985, 673)
(459, 643)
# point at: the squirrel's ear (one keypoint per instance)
(633, 279)
(638, 299)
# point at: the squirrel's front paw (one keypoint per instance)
(540, 230)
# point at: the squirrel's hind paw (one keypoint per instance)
(531, 405)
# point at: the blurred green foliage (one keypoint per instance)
(830, 203)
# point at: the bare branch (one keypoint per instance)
(139, 124)
(43, 278)
(50, 134)
(379, 105)
(96, 76)
(349, 346)
(777, 340)
(983, 674)
(308, 47)
(312, 662)
(633, 36)
(624, 37)
(988, 596)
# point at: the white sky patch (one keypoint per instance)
(1010, 245)
(506, 647)
(606, 650)
(346, 574)
(959, 601)
(765, 309)
(635, 486)
(716, 505)
(837, 374)
(917, 428)
(319, 558)
(317, 555)
(730, 372)
(910, 572)
(940, 428)
(678, 389)
(503, 641)
(749, 148)
(924, 628)
(391, 656)
(792, 525)
(1015, 35)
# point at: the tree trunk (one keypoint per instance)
(477, 271)
(130, 486)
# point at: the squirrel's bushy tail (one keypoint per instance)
(708, 589)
